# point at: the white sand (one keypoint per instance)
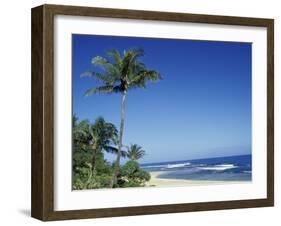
(159, 182)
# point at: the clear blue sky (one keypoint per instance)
(201, 108)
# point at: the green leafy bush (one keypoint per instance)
(131, 175)
(90, 168)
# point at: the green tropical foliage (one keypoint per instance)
(135, 152)
(131, 175)
(120, 73)
(90, 169)
(89, 143)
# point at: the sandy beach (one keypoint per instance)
(159, 182)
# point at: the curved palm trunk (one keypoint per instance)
(117, 163)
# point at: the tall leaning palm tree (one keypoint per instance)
(135, 152)
(121, 72)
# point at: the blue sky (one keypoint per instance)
(201, 108)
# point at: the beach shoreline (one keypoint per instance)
(155, 181)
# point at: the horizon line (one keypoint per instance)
(197, 159)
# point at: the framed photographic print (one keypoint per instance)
(141, 112)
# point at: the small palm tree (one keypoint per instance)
(103, 136)
(121, 73)
(80, 139)
(135, 152)
(98, 137)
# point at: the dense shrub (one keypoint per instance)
(131, 175)
(90, 168)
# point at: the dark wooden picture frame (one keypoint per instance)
(42, 203)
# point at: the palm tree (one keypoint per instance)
(120, 74)
(103, 136)
(135, 152)
(78, 132)
(98, 137)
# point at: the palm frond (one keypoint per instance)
(111, 69)
(100, 61)
(140, 79)
(123, 154)
(115, 55)
(152, 75)
(100, 77)
(130, 57)
(114, 150)
(100, 89)
(135, 52)
(135, 152)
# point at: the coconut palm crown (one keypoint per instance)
(120, 73)
(135, 152)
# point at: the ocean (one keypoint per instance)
(230, 168)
